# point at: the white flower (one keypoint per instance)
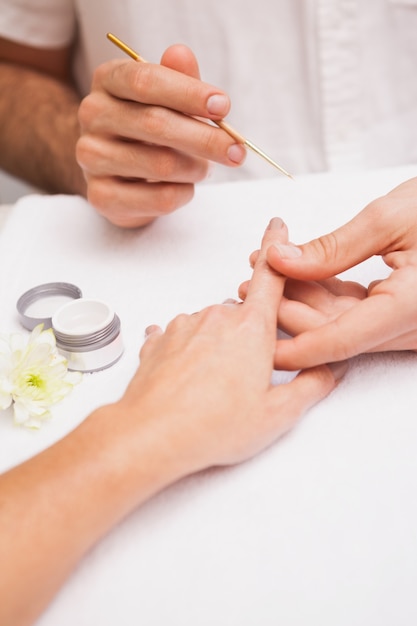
(33, 376)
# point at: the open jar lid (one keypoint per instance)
(87, 331)
(38, 305)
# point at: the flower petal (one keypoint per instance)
(34, 375)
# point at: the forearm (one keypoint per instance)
(56, 506)
(39, 130)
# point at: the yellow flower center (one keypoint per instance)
(34, 380)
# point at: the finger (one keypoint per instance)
(406, 341)
(295, 322)
(152, 334)
(311, 293)
(401, 259)
(309, 304)
(287, 403)
(358, 330)
(153, 329)
(155, 84)
(372, 285)
(266, 286)
(158, 125)
(100, 155)
(344, 288)
(182, 59)
(337, 251)
(317, 294)
(296, 317)
(293, 302)
(122, 202)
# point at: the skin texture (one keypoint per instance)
(333, 319)
(38, 118)
(141, 148)
(219, 408)
(132, 146)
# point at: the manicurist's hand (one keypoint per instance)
(334, 320)
(141, 148)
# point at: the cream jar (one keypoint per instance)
(87, 331)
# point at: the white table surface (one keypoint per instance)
(321, 529)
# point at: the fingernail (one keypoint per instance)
(236, 153)
(275, 224)
(153, 328)
(218, 105)
(288, 251)
(338, 369)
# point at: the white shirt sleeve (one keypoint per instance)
(43, 23)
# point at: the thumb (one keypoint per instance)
(181, 58)
(330, 254)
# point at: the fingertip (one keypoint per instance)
(276, 234)
(181, 58)
(153, 329)
(237, 153)
(276, 223)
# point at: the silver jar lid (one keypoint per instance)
(87, 331)
(38, 305)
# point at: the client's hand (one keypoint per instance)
(206, 381)
(202, 396)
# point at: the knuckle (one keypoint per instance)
(102, 69)
(81, 152)
(89, 111)
(215, 312)
(166, 165)
(99, 75)
(208, 139)
(98, 195)
(170, 166)
(326, 246)
(169, 198)
(177, 322)
(142, 80)
(153, 122)
(94, 156)
(85, 152)
(203, 170)
(135, 209)
(86, 111)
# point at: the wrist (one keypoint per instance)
(140, 455)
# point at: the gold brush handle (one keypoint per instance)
(221, 124)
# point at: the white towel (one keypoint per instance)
(319, 529)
